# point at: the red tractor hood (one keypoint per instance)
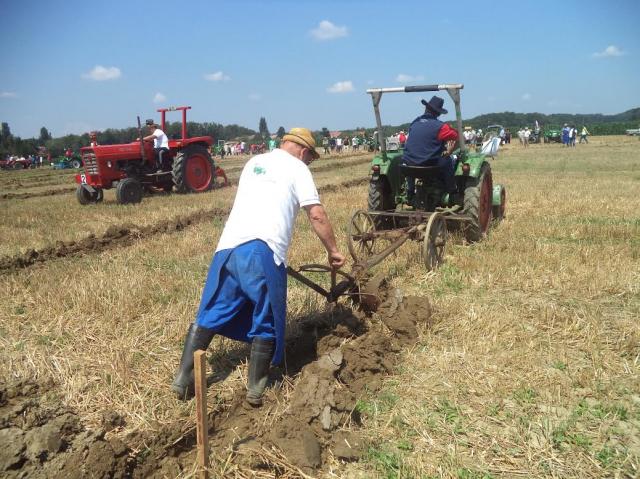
(115, 152)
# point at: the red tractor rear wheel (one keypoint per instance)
(193, 170)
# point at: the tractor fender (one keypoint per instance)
(475, 162)
(89, 188)
(496, 197)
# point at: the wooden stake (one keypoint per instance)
(202, 426)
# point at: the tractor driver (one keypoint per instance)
(160, 142)
(245, 294)
(430, 143)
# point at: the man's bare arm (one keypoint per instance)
(322, 227)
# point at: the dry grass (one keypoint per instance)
(530, 371)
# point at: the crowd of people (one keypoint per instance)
(570, 132)
(29, 161)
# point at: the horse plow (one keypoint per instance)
(369, 246)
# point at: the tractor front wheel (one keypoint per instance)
(478, 204)
(85, 197)
(193, 170)
(76, 164)
(128, 191)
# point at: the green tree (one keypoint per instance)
(44, 135)
(263, 129)
(325, 132)
(281, 132)
(6, 132)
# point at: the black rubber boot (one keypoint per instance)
(197, 338)
(259, 362)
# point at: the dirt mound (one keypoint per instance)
(346, 358)
(42, 439)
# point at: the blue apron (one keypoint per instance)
(245, 295)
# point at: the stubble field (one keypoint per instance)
(528, 366)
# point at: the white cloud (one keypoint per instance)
(341, 87)
(100, 73)
(328, 31)
(255, 96)
(159, 98)
(217, 76)
(526, 96)
(8, 94)
(403, 78)
(610, 51)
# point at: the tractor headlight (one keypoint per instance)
(108, 164)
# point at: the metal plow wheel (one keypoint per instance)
(435, 241)
(361, 234)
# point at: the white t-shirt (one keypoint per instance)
(160, 140)
(272, 189)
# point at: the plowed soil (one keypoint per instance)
(114, 236)
(334, 359)
(125, 235)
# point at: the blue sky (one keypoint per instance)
(74, 66)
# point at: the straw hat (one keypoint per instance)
(303, 137)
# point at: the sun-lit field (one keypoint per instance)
(530, 367)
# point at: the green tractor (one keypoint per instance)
(552, 135)
(390, 216)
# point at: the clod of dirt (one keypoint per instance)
(112, 420)
(41, 438)
(12, 440)
(347, 446)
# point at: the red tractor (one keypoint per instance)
(132, 169)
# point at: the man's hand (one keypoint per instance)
(336, 260)
(451, 145)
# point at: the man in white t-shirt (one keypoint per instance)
(244, 297)
(160, 143)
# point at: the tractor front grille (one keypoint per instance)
(90, 163)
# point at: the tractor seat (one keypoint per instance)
(421, 172)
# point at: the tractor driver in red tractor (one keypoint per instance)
(160, 142)
(430, 143)
(244, 297)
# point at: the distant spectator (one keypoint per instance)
(507, 136)
(325, 145)
(525, 137)
(565, 134)
(272, 144)
(355, 143)
(573, 133)
(402, 138)
(583, 134)
(521, 136)
(339, 145)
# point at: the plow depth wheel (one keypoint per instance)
(361, 238)
(435, 242)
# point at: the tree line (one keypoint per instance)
(597, 124)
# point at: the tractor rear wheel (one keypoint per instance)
(193, 170)
(128, 191)
(85, 197)
(477, 204)
(381, 199)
